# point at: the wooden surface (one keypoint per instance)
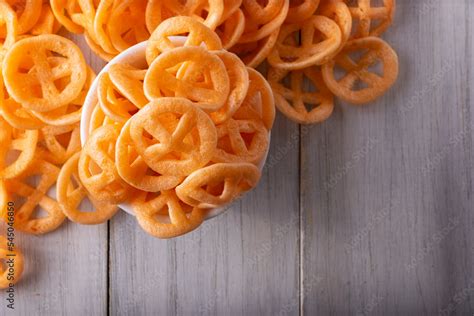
(370, 213)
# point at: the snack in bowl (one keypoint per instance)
(175, 135)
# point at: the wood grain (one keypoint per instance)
(386, 189)
(244, 262)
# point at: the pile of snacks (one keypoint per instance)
(314, 40)
(183, 136)
(189, 132)
(334, 44)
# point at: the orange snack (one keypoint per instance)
(98, 119)
(129, 81)
(127, 25)
(197, 34)
(375, 50)
(23, 143)
(70, 113)
(365, 15)
(263, 13)
(293, 100)
(70, 197)
(97, 169)
(34, 196)
(259, 103)
(179, 218)
(207, 82)
(208, 11)
(241, 141)
(63, 10)
(254, 53)
(47, 23)
(286, 55)
(31, 63)
(58, 143)
(257, 29)
(173, 150)
(231, 29)
(301, 10)
(8, 22)
(28, 12)
(239, 85)
(112, 101)
(133, 169)
(218, 184)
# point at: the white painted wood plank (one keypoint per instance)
(387, 188)
(244, 262)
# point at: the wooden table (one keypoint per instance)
(371, 212)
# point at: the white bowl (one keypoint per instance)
(134, 56)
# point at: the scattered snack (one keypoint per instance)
(26, 219)
(70, 197)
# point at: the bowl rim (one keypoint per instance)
(135, 55)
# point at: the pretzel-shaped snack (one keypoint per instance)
(256, 30)
(263, 13)
(47, 23)
(339, 12)
(156, 13)
(129, 81)
(259, 103)
(287, 56)
(8, 252)
(177, 221)
(134, 170)
(209, 94)
(70, 113)
(113, 101)
(239, 85)
(14, 140)
(99, 51)
(197, 34)
(365, 14)
(173, 150)
(9, 22)
(63, 10)
(70, 197)
(16, 115)
(27, 65)
(97, 169)
(376, 50)
(35, 196)
(101, 24)
(218, 184)
(28, 13)
(208, 11)
(254, 53)
(241, 141)
(98, 119)
(292, 101)
(302, 10)
(127, 25)
(231, 29)
(58, 143)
